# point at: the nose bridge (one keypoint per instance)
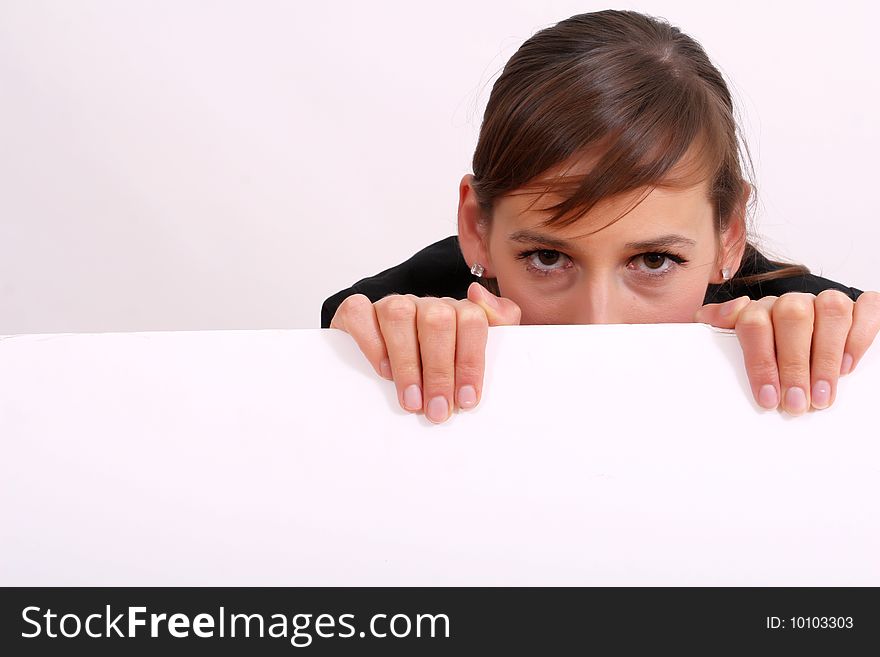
(601, 301)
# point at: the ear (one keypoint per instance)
(473, 230)
(733, 239)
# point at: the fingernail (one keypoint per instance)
(767, 396)
(846, 364)
(438, 409)
(412, 398)
(385, 367)
(795, 400)
(821, 394)
(467, 397)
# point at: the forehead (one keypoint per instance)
(679, 200)
(663, 210)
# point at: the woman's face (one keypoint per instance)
(652, 265)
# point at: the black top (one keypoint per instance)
(439, 270)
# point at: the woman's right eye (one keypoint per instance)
(543, 261)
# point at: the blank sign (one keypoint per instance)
(599, 455)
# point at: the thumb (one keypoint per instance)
(721, 315)
(500, 311)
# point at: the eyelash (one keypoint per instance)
(674, 257)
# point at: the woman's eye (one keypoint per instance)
(544, 261)
(656, 264)
(654, 260)
(548, 258)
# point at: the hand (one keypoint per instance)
(796, 346)
(430, 347)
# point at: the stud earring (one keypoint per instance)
(477, 269)
(725, 274)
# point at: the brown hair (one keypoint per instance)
(630, 87)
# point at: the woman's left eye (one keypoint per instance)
(656, 263)
(544, 261)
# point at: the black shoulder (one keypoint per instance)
(755, 264)
(438, 270)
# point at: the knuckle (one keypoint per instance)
(437, 315)
(472, 315)
(406, 372)
(825, 365)
(438, 377)
(796, 371)
(355, 299)
(870, 299)
(765, 302)
(833, 303)
(763, 372)
(753, 318)
(351, 312)
(794, 306)
(396, 308)
(354, 303)
(469, 372)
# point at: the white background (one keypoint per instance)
(192, 165)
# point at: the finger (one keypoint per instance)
(397, 319)
(865, 325)
(436, 322)
(793, 317)
(754, 329)
(357, 317)
(721, 315)
(833, 318)
(470, 353)
(499, 310)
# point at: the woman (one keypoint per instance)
(607, 188)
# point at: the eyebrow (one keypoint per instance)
(660, 242)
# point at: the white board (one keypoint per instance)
(599, 455)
